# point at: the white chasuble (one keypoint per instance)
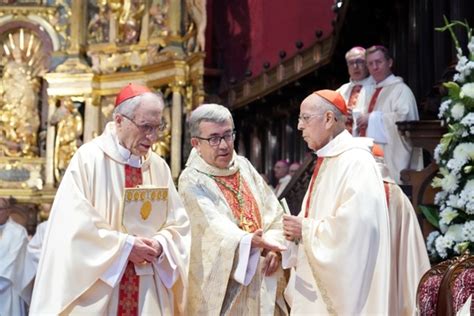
(85, 239)
(409, 256)
(341, 265)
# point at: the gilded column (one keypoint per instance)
(78, 27)
(174, 12)
(50, 135)
(91, 119)
(176, 130)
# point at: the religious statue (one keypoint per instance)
(197, 11)
(129, 14)
(19, 116)
(158, 17)
(69, 128)
(99, 24)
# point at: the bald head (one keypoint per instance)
(320, 121)
(355, 52)
(356, 64)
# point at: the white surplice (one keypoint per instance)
(85, 249)
(33, 252)
(343, 259)
(395, 103)
(13, 242)
(220, 249)
(365, 92)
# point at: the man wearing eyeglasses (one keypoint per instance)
(13, 243)
(90, 264)
(339, 244)
(359, 87)
(236, 224)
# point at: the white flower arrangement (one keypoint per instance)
(454, 216)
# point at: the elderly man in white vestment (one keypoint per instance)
(236, 224)
(359, 87)
(89, 264)
(409, 256)
(13, 242)
(341, 239)
(391, 101)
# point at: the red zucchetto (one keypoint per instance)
(335, 98)
(129, 91)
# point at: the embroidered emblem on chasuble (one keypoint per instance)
(241, 200)
(144, 210)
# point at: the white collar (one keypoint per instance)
(130, 159)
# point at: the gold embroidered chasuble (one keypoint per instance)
(219, 220)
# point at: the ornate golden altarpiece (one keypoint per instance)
(62, 63)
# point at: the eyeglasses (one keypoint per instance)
(147, 129)
(357, 62)
(305, 118)
(215, 141)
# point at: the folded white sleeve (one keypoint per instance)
(248, 261)
(375, 127)
(114, 273)
(290, 255)
(165, 265)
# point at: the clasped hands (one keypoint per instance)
(145, 250)
(269, 250)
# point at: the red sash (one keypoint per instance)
(129, 284)
(319, 162)
(387, 192)
(351, 104)
(372, 102)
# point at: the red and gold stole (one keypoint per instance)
(319, 162)
(351, 104)
(241, 200)
(373, 101)
(129, 284)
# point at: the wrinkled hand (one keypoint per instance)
(292, 227)
(145, 250)
(259, 242)
(271, 263)
(362, 121)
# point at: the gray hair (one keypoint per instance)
(211, 112)
(129, 106)
(325, 105)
